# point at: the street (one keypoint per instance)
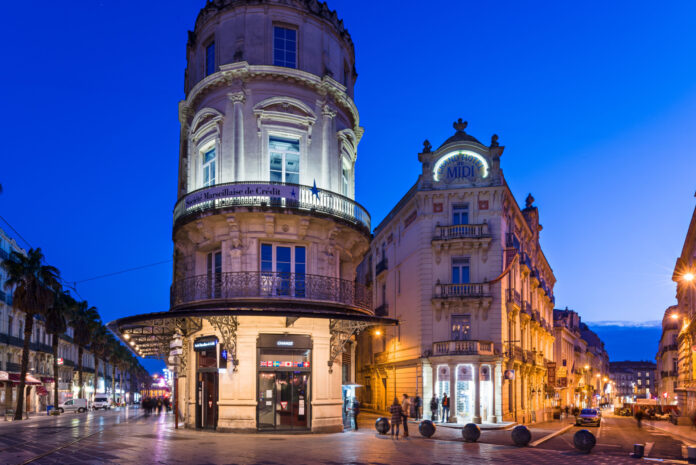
(128, 437)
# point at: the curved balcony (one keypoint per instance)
(273, 195)
(264, 289)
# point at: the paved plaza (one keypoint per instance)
(129, 437)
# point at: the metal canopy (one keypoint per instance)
(149, 335)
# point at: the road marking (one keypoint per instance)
(648, 447)
(599, 431)
(550, 436)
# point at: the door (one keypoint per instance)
(266, 407)
(207, 402)
(283, 400)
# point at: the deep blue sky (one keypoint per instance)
(594, 101)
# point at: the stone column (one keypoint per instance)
(226, 156)
(238, 99)
(452, 391)
(477, 393)
(327, 122)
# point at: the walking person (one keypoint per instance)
(355, 413)
(434, 404)
(395, 411)
(445, 408)
(405, 410)
(639, 418)
(417, 407)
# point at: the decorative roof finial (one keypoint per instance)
(427, 146)
(494, 141)
(530, 201)
(460, 125)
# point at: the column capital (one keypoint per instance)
(237, 97)
(327, 111)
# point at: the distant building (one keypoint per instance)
(634, 380)
(667, 357)
(582, 364)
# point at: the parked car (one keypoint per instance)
(73, 405)
(588, 416)
(101, 403)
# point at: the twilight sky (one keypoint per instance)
(595, 103)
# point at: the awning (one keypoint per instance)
(46, 379)
(14, 377)
(40, 390)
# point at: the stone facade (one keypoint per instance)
(634, 380)
(459, 264)
(667, 357)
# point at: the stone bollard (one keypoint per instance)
(382, 425)
(584, 441)
(471, 432)
(691, 454)
(426, 428)
(638, 451)
(521, 436)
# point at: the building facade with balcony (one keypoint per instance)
(459, 264)
(634, 379)
(267, 234)
(667, 356)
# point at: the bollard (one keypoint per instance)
(584, 441)
(691, 454)
(426, 428)
(471, 432)
(638, 451)
(521, 435)
(382, 425)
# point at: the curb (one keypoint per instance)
(551, 436)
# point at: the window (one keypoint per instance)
(210, 59)
(344, 183)
(461, 327)
(209, 167)
(285, 160)
(9, 325)
(284, 47)
(460, 214)
(214, 272)
(460, 270)
(283, 270)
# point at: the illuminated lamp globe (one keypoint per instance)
(688, 276)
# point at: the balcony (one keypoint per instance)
(667, 374)
(13, 367)
(382, 310)
(268, 288)
(463, 348)
(511, 241)
(15, 341)
(462, 291)
(381, 267)
(527, 308)
(39, 347)
(270, 195)
(460, 238)
(382, 357)
(515, 352)
(513, 297)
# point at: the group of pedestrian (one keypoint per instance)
(152, 404)
(435, 404)
(352, 409)
(400, 412)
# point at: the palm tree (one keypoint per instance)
(83, 320)
(56, 324)
(99, 348)
(114, 359)
(34, 284)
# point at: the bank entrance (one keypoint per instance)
(284, 375)
(207, 382)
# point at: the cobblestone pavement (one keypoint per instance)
(128, 437)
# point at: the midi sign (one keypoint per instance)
(456, 167)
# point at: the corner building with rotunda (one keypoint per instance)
(267, 235)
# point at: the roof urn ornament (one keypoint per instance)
(494, 141)
(427, 146)
(460, 125)
(529, 201)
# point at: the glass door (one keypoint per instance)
(266, 400)
(283, 400)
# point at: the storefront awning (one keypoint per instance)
(14, 378)
(46, 380)
(40, 390)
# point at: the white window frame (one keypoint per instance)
(202, 151)
(283, 153)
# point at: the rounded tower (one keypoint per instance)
(267, 234)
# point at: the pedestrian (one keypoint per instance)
(639, 417)
(417, 404)
(434, 403)
(159, 406)
(405, 410)
(445, 408)
(356, 412)
(395, 411)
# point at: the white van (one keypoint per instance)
(101, 402)
(73, 405)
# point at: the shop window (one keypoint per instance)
(461, 327)
(285, 47)
(285, 160)
(210, 59)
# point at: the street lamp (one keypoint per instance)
(688, 276)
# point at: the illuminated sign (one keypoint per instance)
(59, 361)
(459, 166)
(285, 343)
(204, 343)
(284, 364)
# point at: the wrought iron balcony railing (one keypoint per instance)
(270, 285)
(13, 367)
(513, 296)
(274, 195)
(444, 291)
(381, 266)
(462, 231)
(463, 348)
